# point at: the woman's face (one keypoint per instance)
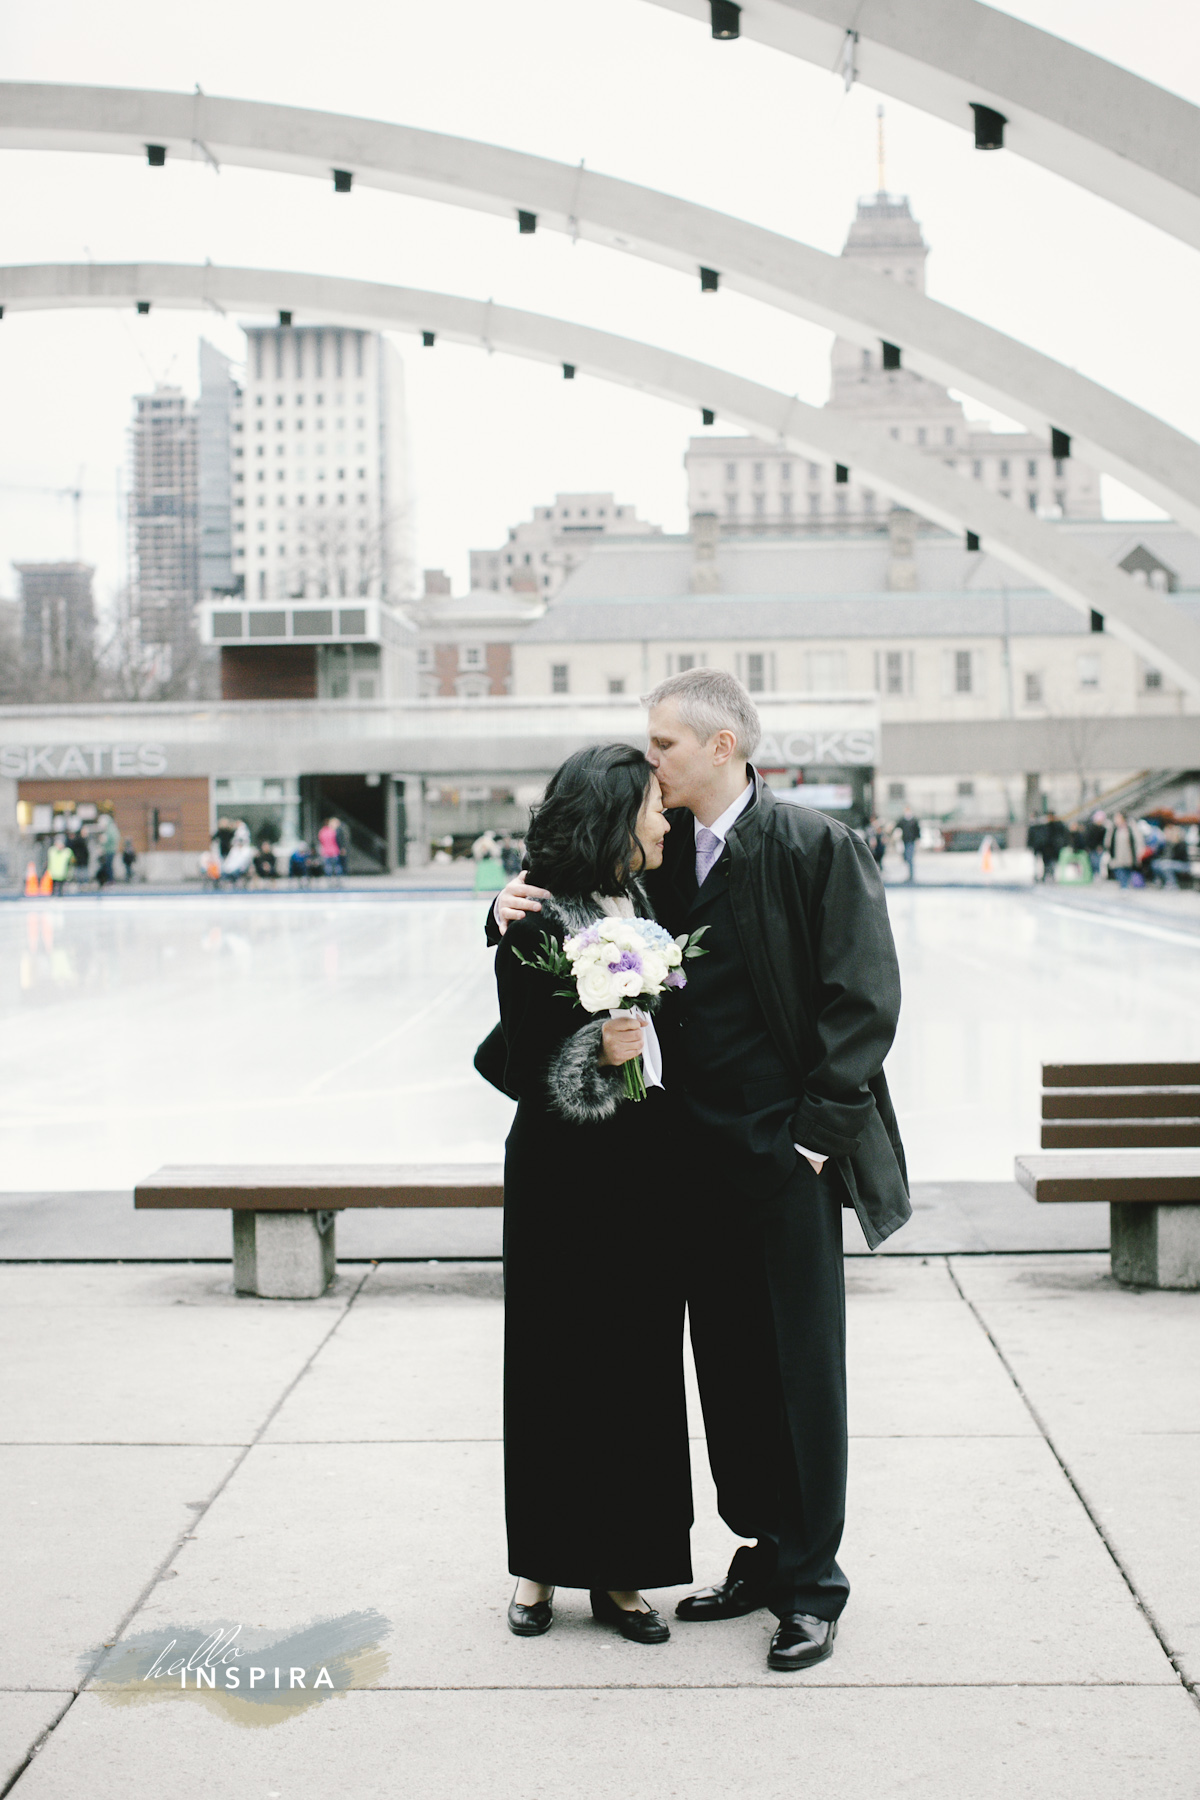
(652, 826)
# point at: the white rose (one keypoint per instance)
(628, 982)
(597, 989)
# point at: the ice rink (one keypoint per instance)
(141, 1031)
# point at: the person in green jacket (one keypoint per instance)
(59, 862)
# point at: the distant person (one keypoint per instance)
(910, 836)
(128, 857)
(110, 839)
(224, 837)
(1094, 834)
(1172, 858)
(330, 847)
(264, 863)
(485, 845)
(877, 837)
(1055, 838)
(510, 855)
(59, 860)
(298, 864)
(1125, 844)
(80, 854)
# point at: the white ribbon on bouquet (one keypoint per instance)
(651, 1048)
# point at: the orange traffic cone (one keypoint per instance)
(46, 885)
(31, 880)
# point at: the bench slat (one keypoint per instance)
(309, 1187)
(1150, 1175)
(1121, 1103)
(1081, 1075)
(1119, 1134)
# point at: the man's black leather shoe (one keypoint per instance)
(529, 1621)
(638, 1627)
(800, 1641)
(741, 1592)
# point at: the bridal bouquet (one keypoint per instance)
(616, 965)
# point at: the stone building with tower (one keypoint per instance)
(757, 487)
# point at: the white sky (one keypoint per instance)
(638, 91)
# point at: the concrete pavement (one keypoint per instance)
(1023, 1542)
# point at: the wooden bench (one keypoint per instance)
(1128, 1133)
(284, 1217)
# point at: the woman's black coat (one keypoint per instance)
(597, 1479)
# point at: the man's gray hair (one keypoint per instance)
(709, 701)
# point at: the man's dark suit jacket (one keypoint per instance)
(808, 905)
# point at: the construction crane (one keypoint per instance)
(76, 495)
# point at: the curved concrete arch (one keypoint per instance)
(1049, 558)
(832, 291)
(1098, 125)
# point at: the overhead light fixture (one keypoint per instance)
(427, 339)
(841, 474)
(707, 416)
(989, 127)
(726, 19)
(156, 155)
(891, 355)
(709, 281)
(1097, 620)
(285, 318)
(526, 223)
(568, 371)
(343, 180)
(143, 306)
(1060, 444)
(972, 540)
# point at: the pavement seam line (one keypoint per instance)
(1142, 1605)
(132, 1611)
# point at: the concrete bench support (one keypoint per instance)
(284, 1255)
(1155, 1246)
(283, 1216)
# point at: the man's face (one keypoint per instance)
(684, 764)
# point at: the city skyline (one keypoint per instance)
(1002, 250)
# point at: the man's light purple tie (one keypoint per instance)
(708, 848)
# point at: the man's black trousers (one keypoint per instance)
(767, 1311)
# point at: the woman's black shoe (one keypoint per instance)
(529, 1621)
(638, 1627)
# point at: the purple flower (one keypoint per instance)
(629, 960)
(676, 979)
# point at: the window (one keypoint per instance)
(471, 656)
(920, 434)
(558, 678)
(949, 434)
(826, 671)
(760, 504)
(814, 503)
(893, 672)
(731, 471)
(785, 471)
(814, 471)
(1059, 468)
(785, 504)
(1088, 670)
(1152, 679)
(977, 470)
(962, 672)
(966, 790)
(1004, 470)
(896, 793)
(756, 681)
(868, 500)
(731, 505)
(1032, 500)
(866, 359)
(758, 472)
(1034, 691)
(839, 500)
(616, 684)
(1060, 499)
(1031, 469)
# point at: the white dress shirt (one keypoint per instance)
(720, 829)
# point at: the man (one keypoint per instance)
(785, 1022)
(910, 836)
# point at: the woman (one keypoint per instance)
(597, 1479)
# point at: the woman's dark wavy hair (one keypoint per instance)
(582, 838)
